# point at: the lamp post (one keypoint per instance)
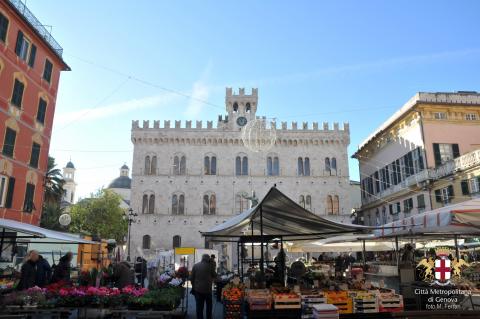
(130, 218)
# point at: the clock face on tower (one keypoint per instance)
(241, 121)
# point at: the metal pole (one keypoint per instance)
(253, 251)
(238, 258)
(364, 253)
(128, 245)
(262, 269)
(457, 253)
(241, 260)
(282, 262)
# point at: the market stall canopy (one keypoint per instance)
(344, 243)
(282, 217)
(39, 232)
(458, 219)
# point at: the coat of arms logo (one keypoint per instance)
(443, 269)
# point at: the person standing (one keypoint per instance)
(123, 275)
(202, 278)
(28, 271)
(61, 272)
(44, 272)
(141, 270)
(213, 262)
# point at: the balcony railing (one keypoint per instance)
(37, 25)
(461, 163)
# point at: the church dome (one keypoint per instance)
(124, 166)
(121, 182)
(70, 165)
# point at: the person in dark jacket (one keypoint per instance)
(28, 271)
(44, 272)
(123, 275)
(202, 278)
(61, 272)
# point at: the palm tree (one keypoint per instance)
(50, 215)
(53, 183)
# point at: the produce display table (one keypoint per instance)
(274, 313)
(131, 314)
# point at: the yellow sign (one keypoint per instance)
(184, 251)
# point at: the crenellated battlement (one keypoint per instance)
(199, 125)
(241, 93)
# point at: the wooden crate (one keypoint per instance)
(287, 302)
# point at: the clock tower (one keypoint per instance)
(241, 107)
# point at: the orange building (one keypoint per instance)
(30, 65)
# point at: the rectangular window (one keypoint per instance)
(398, 208)
(17, 94)
(3, 27)
(42, 109)
(47, 71)
(444, 195)
(9, 142)
(35, 155)
(22, 47)
(475, 185)
(440, 115)
(33, 54)
(377, 182)
(407, 205)
(28, 205)
(471, 116)
(10, 191)
(421, 201)
(3, 189)
(444, 152)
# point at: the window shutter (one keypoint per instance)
(450, 191)
(3, 27)
(33, 53)
(464, 184)
(455, 150)
(18, 45)
(11, 188)
(438, 196)
(436, 154)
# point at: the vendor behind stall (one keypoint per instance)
(28, 271)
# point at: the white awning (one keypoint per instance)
(281, 216)
(460, 219)
(39, 232)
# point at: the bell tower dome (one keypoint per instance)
(241, 108)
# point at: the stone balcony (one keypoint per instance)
(461, 163)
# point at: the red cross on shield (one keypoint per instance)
(442, 269)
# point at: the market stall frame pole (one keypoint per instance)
(253, 248)
(364, 254)
(238, 258)
(262, 269)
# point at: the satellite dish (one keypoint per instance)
(258, 136)
(65, 219)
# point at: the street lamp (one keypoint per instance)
(130, 218)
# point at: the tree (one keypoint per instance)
(50, 215)
(53, 183)
(100, 215)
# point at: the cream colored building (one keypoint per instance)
(122, 186)
(188, 177)
(422, 157)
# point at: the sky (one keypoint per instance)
(334, 61)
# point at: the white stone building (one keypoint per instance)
(187, 179)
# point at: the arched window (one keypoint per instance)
(327, 166)
(146, 242)
(306, 166)
(209, 204)
(334, 165)
(336, 205)
(210, 165)
(178, 204)
(273, 166)
(300, 167)
(241, 166)
(308, 202)
(301, 201)
(248, 108)
(303, 166)
(179, 165)
(151, 204)
(147, 165)
(145, 204)
(329, 205)
(235, 107)
(177, 241)
(153, 166)
(241, 203)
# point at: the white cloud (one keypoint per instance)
(200, 94)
